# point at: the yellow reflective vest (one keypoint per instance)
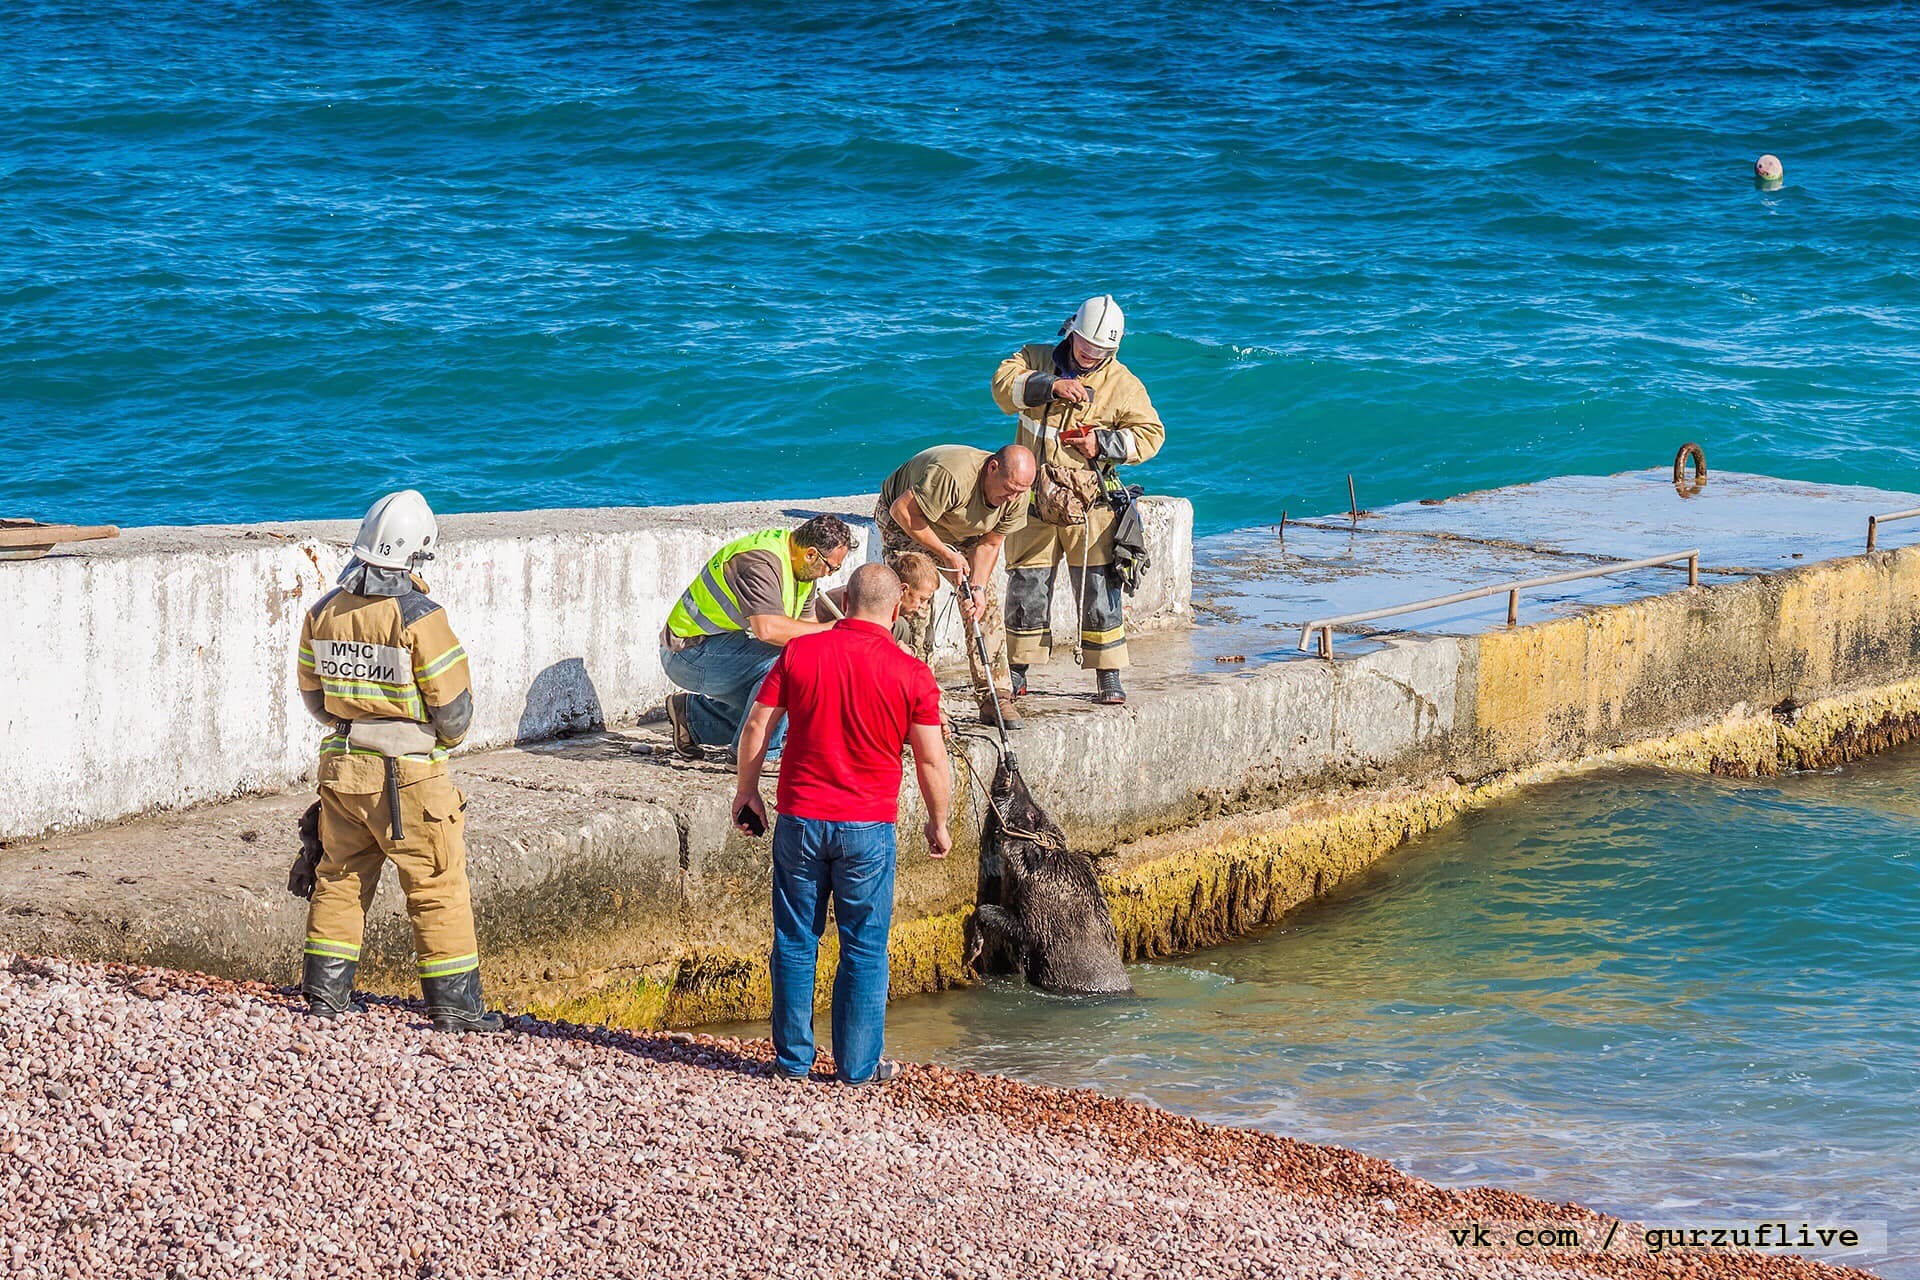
(709, 607)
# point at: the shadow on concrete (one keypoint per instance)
(561, 700)
(714, 764)
(801, 515)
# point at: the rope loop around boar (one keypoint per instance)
(1044, 839)
(1008, 826)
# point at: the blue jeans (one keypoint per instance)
(852, 861)
(723, 673)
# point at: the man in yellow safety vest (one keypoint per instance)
(731, 622)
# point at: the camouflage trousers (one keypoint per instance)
(919, 629)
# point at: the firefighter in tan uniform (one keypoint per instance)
(1081, 411)
(382, 669)
(959, 505)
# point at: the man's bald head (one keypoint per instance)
(1008, 474)
(873, 593)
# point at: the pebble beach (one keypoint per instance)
(157, 1123)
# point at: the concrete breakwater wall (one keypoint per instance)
(156, 671)
(1803, 669)
(1238, 797)
(610, 887)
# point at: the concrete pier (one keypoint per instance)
(1243, 778)
(153, 672)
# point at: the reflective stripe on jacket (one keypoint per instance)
(709, 606)
(386, 658)
(1120, 407)
(383, 657)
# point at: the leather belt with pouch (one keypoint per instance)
(392, 737)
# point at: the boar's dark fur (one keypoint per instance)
(1051, 922)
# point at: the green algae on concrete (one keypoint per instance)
(926, 954)
(1788, 736)
(609, 886)
(1232, 876)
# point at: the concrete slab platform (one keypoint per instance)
(609, 851)
(1254, 589)
(1740, 522)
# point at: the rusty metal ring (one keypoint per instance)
(1699, 456)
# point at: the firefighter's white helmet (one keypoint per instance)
(1100, 321)
(399, 530)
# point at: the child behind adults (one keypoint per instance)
(919, 580)
(852, 698)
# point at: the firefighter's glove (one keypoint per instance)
(300, 877)
(1113, 444)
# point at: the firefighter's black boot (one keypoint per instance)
(453, 1004)
(1019, 673)
(1110, 694)
(327, 983)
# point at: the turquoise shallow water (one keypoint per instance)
(266, 261)
(1683, 1000)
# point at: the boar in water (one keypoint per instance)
(1051, 922)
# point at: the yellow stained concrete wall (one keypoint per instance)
(1562, 689)
(1232, 876)
(1805, 669)
(926, 954)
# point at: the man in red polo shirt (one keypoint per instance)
(853, 698)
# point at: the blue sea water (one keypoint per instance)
(265, 261)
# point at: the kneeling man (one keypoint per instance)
(753, 596)
(958, 504)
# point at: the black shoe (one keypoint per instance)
(327, 983)
(453, 1004)
(1019, 681)
(1110, 693)
(684, 743)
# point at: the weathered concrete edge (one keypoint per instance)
(1670, 681)
(1229, 879)
(1235, 875)
(155, 671)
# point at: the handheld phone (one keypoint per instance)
(753, 822)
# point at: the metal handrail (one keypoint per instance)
(1874, 523)
(1325, 626)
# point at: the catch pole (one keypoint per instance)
(986, 665)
